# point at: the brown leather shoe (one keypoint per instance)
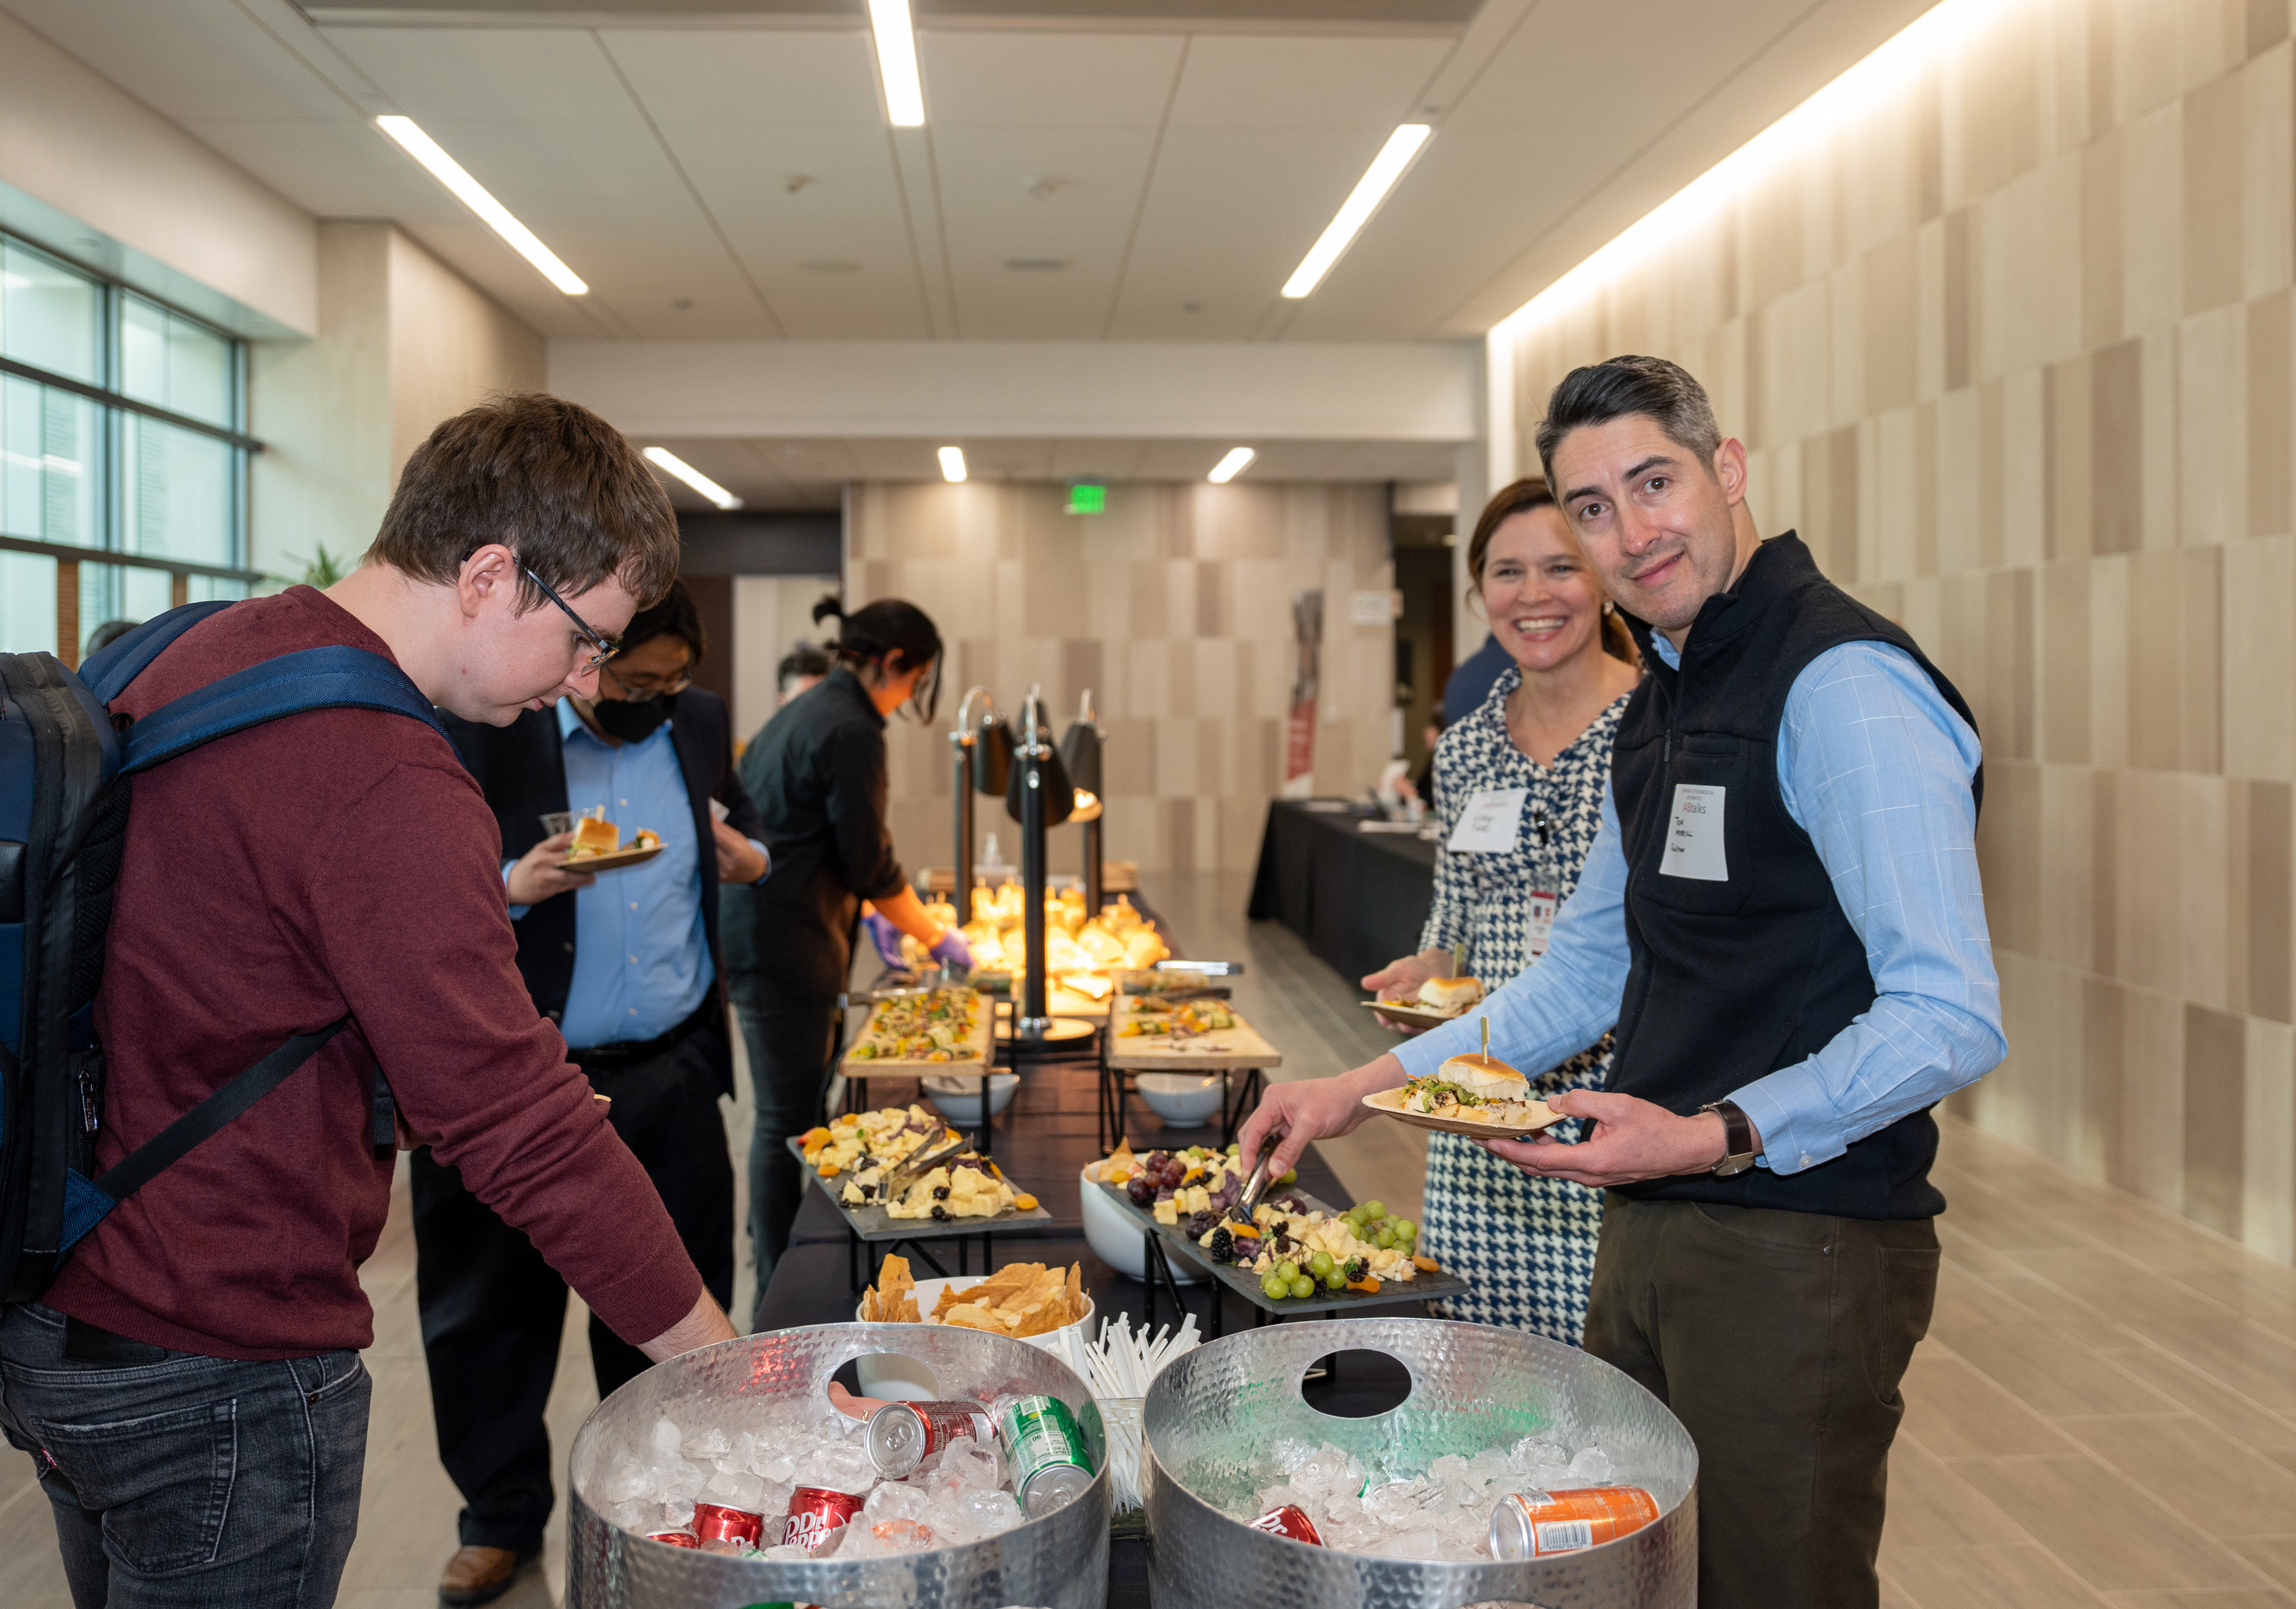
(479, 1575)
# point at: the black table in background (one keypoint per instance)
(1360, 899)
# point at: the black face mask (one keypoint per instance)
(632, 722)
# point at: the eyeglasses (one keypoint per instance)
(641, 692)
(606, 646)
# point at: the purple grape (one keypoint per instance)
(1140, 1190)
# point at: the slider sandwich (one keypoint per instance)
(1479, 1087)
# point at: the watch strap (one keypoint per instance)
(1738, 1138)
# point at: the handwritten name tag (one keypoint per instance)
(1694, 836)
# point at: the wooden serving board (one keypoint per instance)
(971, 1058)
(1389, 1103)
(1227, 1050)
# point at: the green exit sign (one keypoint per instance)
(1087, 500)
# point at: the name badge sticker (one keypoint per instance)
(1490, 822)
(1543, 904)
(1694, 836)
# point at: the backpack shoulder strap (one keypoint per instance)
(107, 673)
(316, 678)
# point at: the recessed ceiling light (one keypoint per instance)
(897, 62)
(670, 464)
(1036, 264)
(473, 195)
(1356, 211)
(1227, 468)
(952, 463)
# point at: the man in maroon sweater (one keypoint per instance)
(190, 1388)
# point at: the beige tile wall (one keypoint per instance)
(2012, 350)
(1173, 607)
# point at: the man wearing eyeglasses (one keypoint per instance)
(627, 963)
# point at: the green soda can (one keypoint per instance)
(1051, 1466)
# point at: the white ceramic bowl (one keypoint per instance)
(1115, 1238)
(1184, 1100)
(900, 1379)
(958, 1099)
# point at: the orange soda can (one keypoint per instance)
(1533, 1525)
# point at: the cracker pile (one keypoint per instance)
(1023, 1299)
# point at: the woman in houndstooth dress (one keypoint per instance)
(1526, 1245)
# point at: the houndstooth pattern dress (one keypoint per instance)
(1526, 1245)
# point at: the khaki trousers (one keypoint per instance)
(1778, 1339)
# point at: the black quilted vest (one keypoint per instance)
(1737, 977)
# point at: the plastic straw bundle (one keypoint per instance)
(1118, 1367)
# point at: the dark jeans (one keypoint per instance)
(1778, 1340)
(494, 1311)
(789, 1048)
(180, 1482)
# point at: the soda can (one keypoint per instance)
(1533, 1525)
(902, 1435)
(1051, 1465)
(715, 1523)
(675, 1539)
(816, 1511)
(1291, 1520)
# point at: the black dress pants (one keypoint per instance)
(790, 1049)
(1778, 1339)
(493, 1311)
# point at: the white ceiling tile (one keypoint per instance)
(528, 74)
(1240, 81)
(1001, 78)
(771, 76)
(189, 60)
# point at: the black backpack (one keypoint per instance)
(65, 770)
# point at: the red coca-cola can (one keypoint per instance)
(902, 1435)
(816, 1511)
(714, 1523)
(1291, 1520)
(675, 1539)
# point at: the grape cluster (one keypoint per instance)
(1370, 1222)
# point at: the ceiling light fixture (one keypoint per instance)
(1227, 468)
(423, 149)
(670, 464)
(1356, 211)
(897, 62)
(952, 464)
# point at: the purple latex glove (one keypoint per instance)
(953, 951)
(886, 937)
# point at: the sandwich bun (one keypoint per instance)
(1485, 1075)
(1450, 993)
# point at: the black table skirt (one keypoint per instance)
(1360, 899)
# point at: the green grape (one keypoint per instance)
(1335, 1280)
(1290, 1176)
(1356, 1215)
(1385, 1241)
(1287, 1271)
(1374, 1209)
(1405, 1230)
(1321, 1264)
(1303, 1286)
(1235, 1150)
(1272, 1287)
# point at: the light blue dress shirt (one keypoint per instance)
(1875, 766)
(641, 954)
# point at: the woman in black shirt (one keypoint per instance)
(817, 772)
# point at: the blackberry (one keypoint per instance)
(868, 1192)
(1223, 1245)
(1358, 1268)
(940, 1192)
(941, 1214)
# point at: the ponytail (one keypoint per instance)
(889, 625)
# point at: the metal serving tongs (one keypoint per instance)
(1255, 1186)
(917, 1167)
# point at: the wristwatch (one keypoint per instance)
(1738, 1138)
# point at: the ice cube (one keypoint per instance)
(665, 1439)
(836, 1467)
(902, 1536)
(1423, 1542)
(682, 1482)
(708, 1444)
(1277, 1496)
(972, 1465)
(851, 1542)
(992, 1513)
(1398, 1503)
(737, 1490)
(1591, 1467)
(627, 1479)
(776, 1468)
(636, 1514)
(789, 1553)
(893, 1500)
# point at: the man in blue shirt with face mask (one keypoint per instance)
(628, 963)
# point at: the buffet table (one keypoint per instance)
(1360, 899)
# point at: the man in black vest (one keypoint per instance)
(1782, 913)
(628, 963)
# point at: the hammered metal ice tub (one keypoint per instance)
(1213, 1414)
(1060, 1562)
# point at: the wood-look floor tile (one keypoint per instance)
(2275, 1556)
(2113, 1535)
(2049, 1370)
(2221, 1487)
(2241, 1418)
(2018, 1576)
(1954, 1411)
(2251, 1597)
(1932, 1507)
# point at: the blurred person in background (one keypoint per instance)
(801, 669)
(103, 636)
(817, 772)
(1525, 1243)
(628, 964)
